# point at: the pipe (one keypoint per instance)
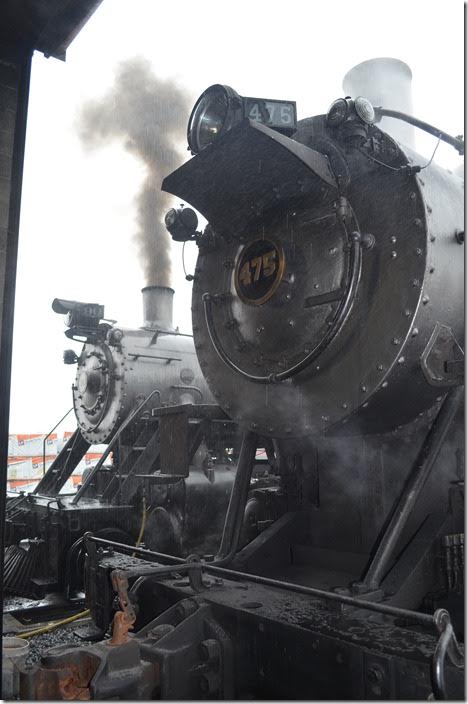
(380, 563)
(454, 142)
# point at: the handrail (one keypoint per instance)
(109, 447)
(447, 646)
(48, 434)
(187, 387)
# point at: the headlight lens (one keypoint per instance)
(365, 110)
(211, 116)
(337, 112)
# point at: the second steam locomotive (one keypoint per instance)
(125, 379)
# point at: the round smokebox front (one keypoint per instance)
(267, 303)
(97, 391)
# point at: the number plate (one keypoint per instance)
(278, 114)
(259, 270)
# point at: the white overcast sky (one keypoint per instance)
(77, 212)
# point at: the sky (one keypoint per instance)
(78, 205)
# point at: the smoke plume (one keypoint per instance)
(148, 115)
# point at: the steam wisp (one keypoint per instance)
(386, 82)
(148, 115)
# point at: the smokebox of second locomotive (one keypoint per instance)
(157, 307)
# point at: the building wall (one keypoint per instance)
(15, 69)
(26, 460)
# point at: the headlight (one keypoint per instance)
(215, 111)
(364, 110)
(345, 109)
(181, 223)
(337, 112)
(219, 108)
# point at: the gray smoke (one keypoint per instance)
(148, 115)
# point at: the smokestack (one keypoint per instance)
(157, 307)
(386, 83)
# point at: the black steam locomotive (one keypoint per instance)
(328, 319)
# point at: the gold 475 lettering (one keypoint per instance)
(253, 269)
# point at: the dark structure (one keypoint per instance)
(25, 25)
(328, 318)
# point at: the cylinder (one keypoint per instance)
(157, 307)
(386, 82)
